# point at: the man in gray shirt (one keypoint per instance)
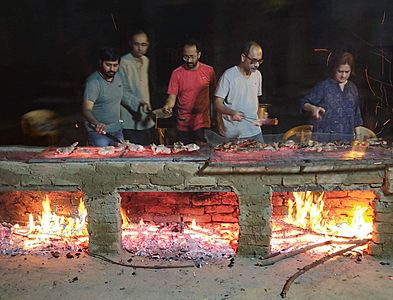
(237, 95)
(101, 100)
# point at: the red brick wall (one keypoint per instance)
(160, 207)
(15, 207)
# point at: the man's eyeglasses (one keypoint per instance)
(188, 57)
(254, 61)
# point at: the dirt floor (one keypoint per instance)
(85, 277)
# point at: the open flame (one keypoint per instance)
(307, 212)
(182, 240)
(358, 150)
(308, 221)
(49, 227)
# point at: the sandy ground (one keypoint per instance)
(35, 277)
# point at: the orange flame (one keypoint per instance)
(51, 226)
(124, 217)
(308, 221)
(309, 214)
(358, 150)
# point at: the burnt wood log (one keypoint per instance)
(304, 231)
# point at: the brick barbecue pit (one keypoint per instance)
(253, 177)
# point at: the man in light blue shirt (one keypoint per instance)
(236, 97)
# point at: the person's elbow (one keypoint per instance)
(219, 104)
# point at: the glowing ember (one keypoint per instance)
(308, 222)
(52, 231)
(180, 240)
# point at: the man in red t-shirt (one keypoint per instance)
(189, 89)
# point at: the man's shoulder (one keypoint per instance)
(126, 59)
(206, 67)
(231, 72)
(93, 78)
(179, 70)
(127, 56)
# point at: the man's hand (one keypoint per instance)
(100, 128)
(237, 116)
(167, 109)
(317, 112)
(259, 122)
(146, 107)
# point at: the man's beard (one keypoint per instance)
(109, 74)
(191, 65)
(253, 69)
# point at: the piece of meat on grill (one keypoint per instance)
(178, 147)
(160, 149)
(67, 150)
(192, 147)
(106, 150)
(135, 147)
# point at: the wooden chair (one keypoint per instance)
(303, 133)
(363, 133)
(41, 123)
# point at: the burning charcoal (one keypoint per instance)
(55, 254)
(69, 255)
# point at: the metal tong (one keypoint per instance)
(107, 134)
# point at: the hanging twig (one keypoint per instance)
(317, 263)
(114, 22)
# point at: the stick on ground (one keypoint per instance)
(318, 262)
(278, 257)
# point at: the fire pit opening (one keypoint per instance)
(303, 218)
(180, 225)
(42, 222)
